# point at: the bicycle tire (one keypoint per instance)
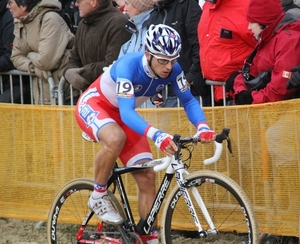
(68, 211)
(228, 206)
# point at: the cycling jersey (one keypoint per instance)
(128, 83)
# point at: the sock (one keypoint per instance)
(99, 190)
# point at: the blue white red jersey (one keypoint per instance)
(128, 83)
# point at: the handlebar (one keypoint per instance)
(219, 147)
(164, 165)
(181, 141)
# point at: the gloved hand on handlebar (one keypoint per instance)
(294, 81)
(164, 142)
(205, 133)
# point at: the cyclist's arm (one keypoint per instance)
(126, 102)
(191, 106)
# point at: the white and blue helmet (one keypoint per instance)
(162, 39)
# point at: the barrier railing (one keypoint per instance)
(216, 83)
(19, 77)
(58, 94)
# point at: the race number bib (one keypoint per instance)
(181, 82)
(124, 88)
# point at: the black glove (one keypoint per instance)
(230, 81)
(294, 81)
(244, 97)
(157, 99)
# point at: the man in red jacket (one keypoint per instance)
(225, 40)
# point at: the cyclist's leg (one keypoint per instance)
(136, 151)
(99, 123)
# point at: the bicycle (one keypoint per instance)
(205, 194)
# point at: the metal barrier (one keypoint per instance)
(61, 93)
(21, 76)
(58, 94)
(216, 83)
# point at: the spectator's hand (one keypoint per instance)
(165, 143)
(294, 81)
(75, 79)
(205, 134)
(42, 74)
(157, 99)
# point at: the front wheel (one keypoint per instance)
(227, 204)
(71, 221)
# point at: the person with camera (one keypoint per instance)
(268, 68)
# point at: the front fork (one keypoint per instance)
(184, 185)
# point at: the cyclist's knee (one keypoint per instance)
(145, 179)
(112, 139)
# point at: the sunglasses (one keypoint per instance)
(165, 61)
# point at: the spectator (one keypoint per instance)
(277, 51)
(99, 37)
(184, 17)
(42, 42)
(6, 41)
(225, 41)
(138, 12)
(106, 112)
(290, 7)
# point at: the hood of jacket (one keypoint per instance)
(283, 21)
(43, 6)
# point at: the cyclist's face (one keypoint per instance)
(162, 65)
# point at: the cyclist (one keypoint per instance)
(106, 113)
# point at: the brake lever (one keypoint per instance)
(224, 135)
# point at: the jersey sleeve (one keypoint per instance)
(190, 104)
(126, 101)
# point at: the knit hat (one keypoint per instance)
(142, 5)
(263, 11)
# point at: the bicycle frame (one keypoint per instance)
(144, 225)
(175, 167)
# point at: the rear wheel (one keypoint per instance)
(227, 204)
(69, 211)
